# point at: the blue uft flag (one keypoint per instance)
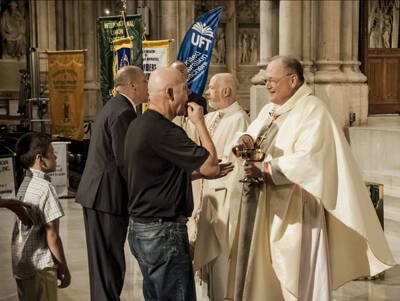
(197, 46)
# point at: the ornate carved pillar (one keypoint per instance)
(328, 49)
(290, 25)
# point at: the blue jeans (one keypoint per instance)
(162, 250)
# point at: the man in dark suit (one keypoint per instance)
(103, 192)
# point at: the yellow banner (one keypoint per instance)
(66, 80)
(155, 55)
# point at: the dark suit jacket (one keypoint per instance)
(102, 185)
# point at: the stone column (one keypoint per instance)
(186, 13)
(268, 31)
(349, 50)
(46, 22)
(328, 52)
(131, 7)
(269, 26)
(154, 20)
(269, 40)
(307, 36)
(290, 28)
(361, 100)
(60, 25)
(46, 29)
(347, 35)
(87, 37)
(69, 23)
(354, 56)
(168, 21)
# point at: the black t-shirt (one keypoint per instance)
(160, 159)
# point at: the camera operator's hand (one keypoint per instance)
(195, 113)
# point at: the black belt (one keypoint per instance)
(146, 220)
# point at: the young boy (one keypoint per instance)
(37, 252)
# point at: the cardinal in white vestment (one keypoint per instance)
(309, 226)
(209, 225)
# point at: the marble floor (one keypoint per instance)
(72, 233)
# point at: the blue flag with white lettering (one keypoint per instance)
(196, 48)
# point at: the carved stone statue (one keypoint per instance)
(221, 49)
(387, 29)
(13, 26)
(253, 49)
(375, 29)
(245, 57)
(240, 48)
(396, 24)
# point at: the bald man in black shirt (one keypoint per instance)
(161, 163)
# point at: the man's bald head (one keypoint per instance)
(221, 92)
(181, 67)
(163, 78)
(127, 75)
(168, 92)
(227, 80)
(131, 82)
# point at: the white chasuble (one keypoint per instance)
(304, 144)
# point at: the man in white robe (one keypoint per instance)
(209, 225)
(310, 226)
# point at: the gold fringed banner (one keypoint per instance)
(66, 80)
(155, 55)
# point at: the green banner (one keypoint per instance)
(109, 29)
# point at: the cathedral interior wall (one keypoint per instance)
(324, 35)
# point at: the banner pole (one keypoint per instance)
(123, 13)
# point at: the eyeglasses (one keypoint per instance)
(274, 82)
